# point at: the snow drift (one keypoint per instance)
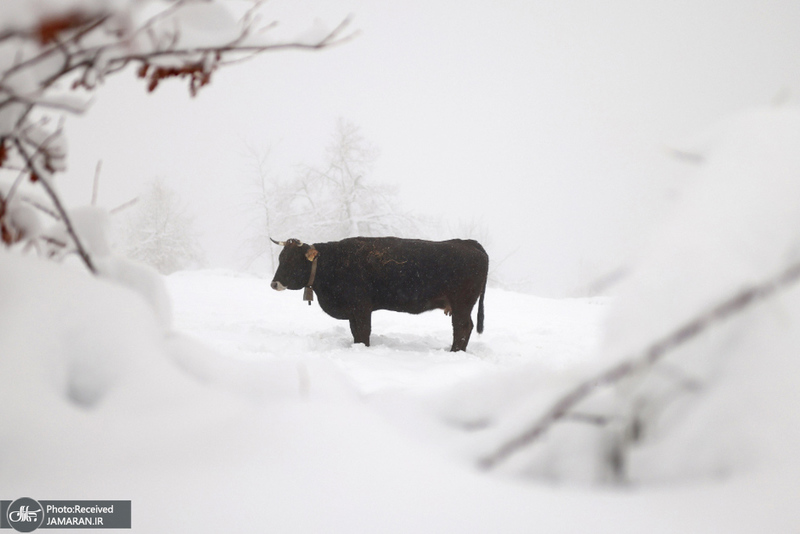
(728, 401)
(257, 413)
(721, 403)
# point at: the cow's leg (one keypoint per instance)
(361, 326)
(462, 328)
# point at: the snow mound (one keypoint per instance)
(724, 402)
(720, 406)
(66, 335)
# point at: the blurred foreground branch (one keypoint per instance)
(562, 408)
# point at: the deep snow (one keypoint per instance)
(291, 429)
(245, 320)
(254, 412)
(245, 410)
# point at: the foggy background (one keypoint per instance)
(546, 124)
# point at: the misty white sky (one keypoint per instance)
(547, 121)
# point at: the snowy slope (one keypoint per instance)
(389, 449)
(245, 320)
(281, 426)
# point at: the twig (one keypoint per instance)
(15, 185)
(41, 207)
(652, 354)
(59, 207)
(588, 418)
(123, 206)
(96, 182)
(53, 241)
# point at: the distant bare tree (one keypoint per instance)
(267, 197)
(340, 200)
(160, 233)
(335, 200)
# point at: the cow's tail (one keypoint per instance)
(480, 309)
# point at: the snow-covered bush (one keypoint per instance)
(702, 345)
(66, 335)
(726, 399)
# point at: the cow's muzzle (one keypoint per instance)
(277, 286)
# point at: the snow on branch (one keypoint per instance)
(562, 408)
(54, 54)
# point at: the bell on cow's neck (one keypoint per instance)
(308, 294)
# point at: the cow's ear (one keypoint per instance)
(311, 254)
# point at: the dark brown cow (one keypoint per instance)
(354, 277)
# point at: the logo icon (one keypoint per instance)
(25, 515)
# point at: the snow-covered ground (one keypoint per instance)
(247, 322)
(424, 407)
(260, 416)
(216, 405)
(237, 408)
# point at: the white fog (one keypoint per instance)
(631, 169)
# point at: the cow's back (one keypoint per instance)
(408, 275)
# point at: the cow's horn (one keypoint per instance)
(281, 243)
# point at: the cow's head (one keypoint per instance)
(294, 265)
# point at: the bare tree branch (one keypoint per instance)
(726, 309)
(123, 206)
(96, 182)
(84, 255)
(41, 207)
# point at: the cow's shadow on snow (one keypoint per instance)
(409, 342)
(339, 338)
